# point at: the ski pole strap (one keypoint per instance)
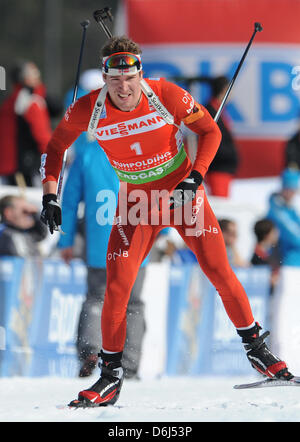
(156, 103)
(99, 104)
(151, 96)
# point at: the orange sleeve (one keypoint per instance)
(185, 109)
(179, 102)
(208, 141)
(75, 121)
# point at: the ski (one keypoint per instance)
(294, 382)
(65, 407)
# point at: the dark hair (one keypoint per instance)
(6, 201)
(224, 223)
(120, 44)
(17, 72)
(262, 228)
(218, 84)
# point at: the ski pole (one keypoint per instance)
(84, 25)
(257, 28)
(100, 15)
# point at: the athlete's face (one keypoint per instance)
(124, 90)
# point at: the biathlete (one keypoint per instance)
(137, 123)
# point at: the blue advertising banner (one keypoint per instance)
(12, 312)
(54, 327)
(41, 301)
(39, 310)
(201, 337)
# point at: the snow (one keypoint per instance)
(167, 399)
(163, 399)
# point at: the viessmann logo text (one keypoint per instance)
(145, 123)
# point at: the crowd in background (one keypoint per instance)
(26, 122)
(27, 118)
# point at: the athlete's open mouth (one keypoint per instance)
(124, 96)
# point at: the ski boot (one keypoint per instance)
(107, 389)
(260, 357)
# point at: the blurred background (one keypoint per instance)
(49, 33)
(193, 39)
(197, 44)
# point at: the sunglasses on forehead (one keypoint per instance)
(121, 63)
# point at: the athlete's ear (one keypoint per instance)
(141, 75)
(104, 76)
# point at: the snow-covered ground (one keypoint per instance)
(193, 399)
(189, 399)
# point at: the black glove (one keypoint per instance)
(51, 213)
(186, 190)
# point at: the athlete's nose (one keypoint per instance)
(124, 86)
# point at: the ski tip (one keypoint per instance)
(274, 382)
(240, 386)
(64, 407)
(61, 407)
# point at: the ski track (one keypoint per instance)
(168, 399)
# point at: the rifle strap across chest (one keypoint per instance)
(151, 96)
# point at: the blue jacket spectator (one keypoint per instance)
(98, 189)
(286, 218)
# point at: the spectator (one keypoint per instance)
(266, 250)
(230, 235)
(89, 80)
(20, 228)
(88, 175)
(286, 218)
(292, 151)
(24, 125)
(224, 165)
(170, 247)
